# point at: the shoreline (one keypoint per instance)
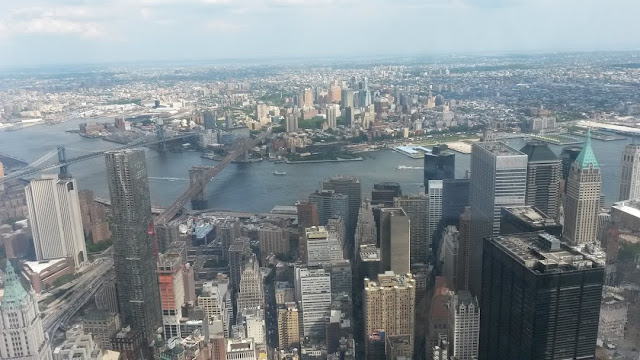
(287, 161)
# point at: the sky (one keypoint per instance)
(34, 32)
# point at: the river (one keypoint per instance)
(253, 187)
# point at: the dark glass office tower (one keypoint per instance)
(455, 197)
(543, 177)
(384, 192)
(440, 164)
(568, 157)
(540, 299)
(133, 250)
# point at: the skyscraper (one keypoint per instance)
(273, 240)
(250, 292)
(383, 193)
(172, 293)
(543, 178)
(434, 188)
(331, 117)
(330, 203)
(288, 326)
(239, 253)
(540, 299)
(349, 116)
(499, 178)
(347, 98)
(308, 98)
(351, 187)
(133, 255)
(55, 218)
(630, 174)
(464, 325)
(307, 214)
(313, 293)
(440, 164)
(416, 209)
(21, 334)
(389, 304)
(583, 197)
(455, 197)
(395, 240)
(568, 156)
(322, 245)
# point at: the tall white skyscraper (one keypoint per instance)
(630, 175)
(583, 197)
(313, 293)
(251, 295)
(464, 325)
(435, 205)
(21, 334)
(498, 178)
(56, 221)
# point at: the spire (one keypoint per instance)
(14, 292)
(586, 157)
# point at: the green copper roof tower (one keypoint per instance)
(586, 156)
(14, 292)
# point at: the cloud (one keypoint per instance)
(48, 25)
(224, 26)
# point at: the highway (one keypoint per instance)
(85, 287)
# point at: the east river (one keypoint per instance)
(253, 187)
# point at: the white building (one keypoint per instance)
(251, 295)
(79, 346)
(56, 221)
(323, 246)
(435, 206)
(216, 304)
(254, 324)
(21, 334)
(630, 173)
(313, 293)
(464, 325)
(241, 349)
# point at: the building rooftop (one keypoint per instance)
(394, 211)
(390, 280)
(498, 148)
(98, 315)
(369, 252)
(543, 253)
(630, 207)
(202, 229)
(531, 215)
(40, 266)
(539, 152)
(586, 156)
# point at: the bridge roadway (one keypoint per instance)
(29, 170)
(194, 189)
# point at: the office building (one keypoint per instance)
(102, 325)
(583, 197)
(337, 227)
(435, 206)
(416, 209)
(499, 178)
(521, 219)
(347, 99)
(129, 343)
(439, 164)
(543, 178)
(383, 193)
(55, 219)
(307, 214)
(331, 114)
(210, 118)
(439, 313)
(335, 94)
(613, 316)
(630, 173)
(440, 351)
(94, 218)
(308, 98)
(252, 320)
(451, 255)
(349, 117)
(43, 274)
(239, 254)
(366, 227)
(455, 197)
(567, 157)
(21, 332)
(134, 260)
(322, 246)
(395, 240)
(227, 232)
(262, 113)
(284, 292)
(79, 346)
(288, 326)
(399, 347)
(389, 304)
(329, 204)
(341, 276)
(464, 325)
(273, 240)
(540, 299)
(351, 187)
(251, 293)
(369, 262)
(313, 293)
(291, 121)
(171, 280)
(241, 349)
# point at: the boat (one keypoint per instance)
(276, 172)
(403, 167)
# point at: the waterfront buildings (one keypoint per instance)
(55, 218)
(383, 193)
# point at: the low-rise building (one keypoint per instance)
(42, 274)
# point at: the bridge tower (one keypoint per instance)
(160, 133)
(197, 177)
(62, 159)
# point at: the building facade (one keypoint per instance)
(416, 209)
(544, 171)
(313, 293)
(583, 197)
(171, 281)
(630, 173)
(133, 254)
(288, 326)
(464, 325)
(439, 164)
(21, 334)
(56, 220)
(395, 240)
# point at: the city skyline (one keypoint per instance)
(77, 32)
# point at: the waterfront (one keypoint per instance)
(252, 186)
